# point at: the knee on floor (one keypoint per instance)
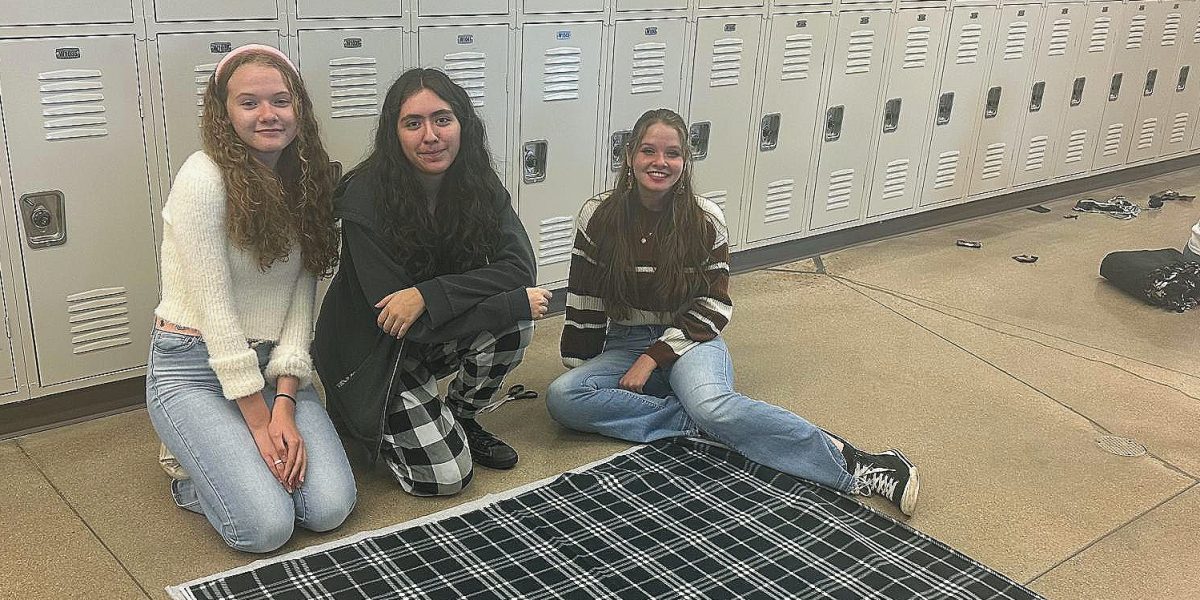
(261, 531)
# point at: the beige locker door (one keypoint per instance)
(1048, 95)
(1004, 103)
(79, 174)
(1084, 107)
(903, 129)
(1184, 88)
(722, 88)
(647, 73)
(730, 3)
(625, 5)
(62, 12)
(1158, 81)
(166, 11)
(780, 193)
(186, 61)
(562, 6)
(959, 96)
(8, 372)
(850, 110)
(442, 8)
(476, 58)
(560, 105)
(347, 73)
(323, 9)
(1125, 86)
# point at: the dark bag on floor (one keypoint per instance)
(1159, 277)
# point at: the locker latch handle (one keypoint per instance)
(833, 122)
(992, 108)
(945, 107)
(698, 139)
(1151, 76)
(769, 132)
(1114, 89)
(533, 161)
(1077, 91)
(45, 218)
(619, 142)
(891, 115)
(1183, 75)
(335, 168)
(1035, 99)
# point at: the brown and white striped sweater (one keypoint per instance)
(701, 320)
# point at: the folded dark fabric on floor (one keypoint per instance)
(676, 519)
(1160, 277)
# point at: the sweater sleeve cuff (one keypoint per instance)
(662, 354)
(518, 305)
(238, 374)
(436, 302)
(290, 360)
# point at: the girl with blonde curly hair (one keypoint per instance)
(247, 229)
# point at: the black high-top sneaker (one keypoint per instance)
(888, 474)
(486, 449)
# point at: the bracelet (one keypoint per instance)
(288, 396)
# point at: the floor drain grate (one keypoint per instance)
(1120, 446)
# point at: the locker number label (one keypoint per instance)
(651, 31)
(864, 20)
(802, 23)
(220, 47)
(563, 35)
(466, 39)
(731, 27)
(67, 53)
(353, 42)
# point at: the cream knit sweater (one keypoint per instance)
(211, 285)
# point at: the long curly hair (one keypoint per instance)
(465, 211)
(683, 235)
(271, 210)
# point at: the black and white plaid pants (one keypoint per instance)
(423, 444)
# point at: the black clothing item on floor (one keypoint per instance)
(1118, 207)
(1160, 277)
(888, 474)
(486, 449)
(1157, 199)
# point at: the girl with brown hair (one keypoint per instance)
(647, 298)
(247, 229)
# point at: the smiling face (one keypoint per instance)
(260, 108)
(429, 132)
(657, 163)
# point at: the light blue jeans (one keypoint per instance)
(230, 484)
(694, 397)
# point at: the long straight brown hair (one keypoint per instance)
(683, 234)
(269, 210)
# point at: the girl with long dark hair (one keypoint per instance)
(647, 298)
(436, 279)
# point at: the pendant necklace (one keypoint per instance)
(653, 229)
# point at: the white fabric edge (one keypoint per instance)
(180, 591)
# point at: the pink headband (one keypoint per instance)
(254, 48)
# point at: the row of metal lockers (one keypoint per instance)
(803, 120)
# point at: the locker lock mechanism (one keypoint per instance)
(833, 122)
(619, 141)
(769, 132)
(44, 216)
(533, 161)
(698, 139)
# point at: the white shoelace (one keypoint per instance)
(876, 480)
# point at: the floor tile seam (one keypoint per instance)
(918, 300)
(1112, 532)
(81, 518)
(1094, 421)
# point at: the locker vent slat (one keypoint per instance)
(841, 184)
(895, 179)
(353, 87)
(1099, 39)
(1036, 157)
(1146, 135)
(779, 200)
(1060, 35)
(797, 56)
(916, 48)
(1014, 45)
(726, 62)
(469, 71)
(560, 74)
(99, 319)
(649, 68)
(72, 102)
(1196, 33)
(555, 239)
(858, 56)
(1171, 29)
(202, 72)
(1075, 146)
(1112, 139)
(993, 161)
(1178, 127)
(947, 170)
(1137, 31)
(968, 44)
(719, 197)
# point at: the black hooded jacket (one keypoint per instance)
(356, 359)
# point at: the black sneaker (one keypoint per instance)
(888, 474)
(486, 449)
